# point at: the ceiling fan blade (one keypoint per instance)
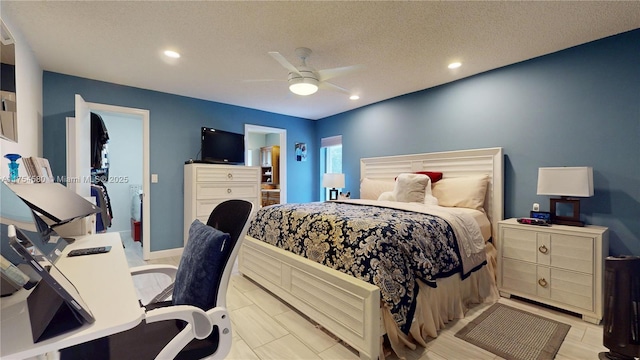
(263, 80)
(327, 74)
(334, 87)
(284, 62)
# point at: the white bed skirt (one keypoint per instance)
(352, 310)
(438, 306)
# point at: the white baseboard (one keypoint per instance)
(165, 253)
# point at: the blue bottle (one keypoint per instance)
(13, 166)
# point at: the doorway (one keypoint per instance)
(253, 151)
(134, 182)
(121, 177)
(79, 163)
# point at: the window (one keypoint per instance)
(331, 155)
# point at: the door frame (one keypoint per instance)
(249, 128)
(146, 188)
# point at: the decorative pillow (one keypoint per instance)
(434, 176)
(429, 199)
(411, 187)
(201, 266)
(371, 189)
(467, 192)
(387, 196)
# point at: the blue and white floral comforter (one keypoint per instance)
(384, 245)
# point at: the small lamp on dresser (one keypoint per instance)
(333, 181)
(568, 183)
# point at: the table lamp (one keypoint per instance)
(333, 181)
(568, 183)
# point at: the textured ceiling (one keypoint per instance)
(404, 46)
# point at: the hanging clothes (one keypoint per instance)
(99, 137)
(104, 217)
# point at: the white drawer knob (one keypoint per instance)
(230, 175)
(228, 191)
(543, 249)
(542, 282)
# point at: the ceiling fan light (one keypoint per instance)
(303, 86)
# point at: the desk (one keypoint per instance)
(105, 284)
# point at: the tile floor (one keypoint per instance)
(266, 328)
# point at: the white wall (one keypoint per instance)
(29, 102)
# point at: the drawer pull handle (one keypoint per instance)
(230, 175)
(543, 249)
(228, 191)
(542, 282)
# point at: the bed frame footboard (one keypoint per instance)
(347, 307)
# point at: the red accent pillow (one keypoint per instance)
(434, 176)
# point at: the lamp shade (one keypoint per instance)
(333, 180)
(565, 181)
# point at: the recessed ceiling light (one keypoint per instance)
(172, 54)
(354, 97)
(454, 65)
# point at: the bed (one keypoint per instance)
(359, 312)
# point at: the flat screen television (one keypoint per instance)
(221, 147)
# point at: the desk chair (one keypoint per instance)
(195, 323)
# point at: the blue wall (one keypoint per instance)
(577, 107)
(175, 123)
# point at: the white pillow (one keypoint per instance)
(429, 199)
(371, 189)
(411, 187)
(387, 196)
(466, 192)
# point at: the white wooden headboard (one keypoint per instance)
(457, 163)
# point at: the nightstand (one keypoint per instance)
(557, 265)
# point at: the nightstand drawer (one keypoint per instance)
(572, 288)
(519, 244)
(542, 247)
(567, 287)
(519, 276)
(572, 252)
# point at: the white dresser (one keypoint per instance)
(557, 265)
(207, 185)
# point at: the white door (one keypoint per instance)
(79, 144)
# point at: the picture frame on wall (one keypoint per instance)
(301, 151)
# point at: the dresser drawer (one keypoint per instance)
(227, 174)
(226, 191)
(204, 207)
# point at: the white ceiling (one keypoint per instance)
(404, 46)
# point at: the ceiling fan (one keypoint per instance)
(305, 80)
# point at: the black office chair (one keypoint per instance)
(195, 323)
